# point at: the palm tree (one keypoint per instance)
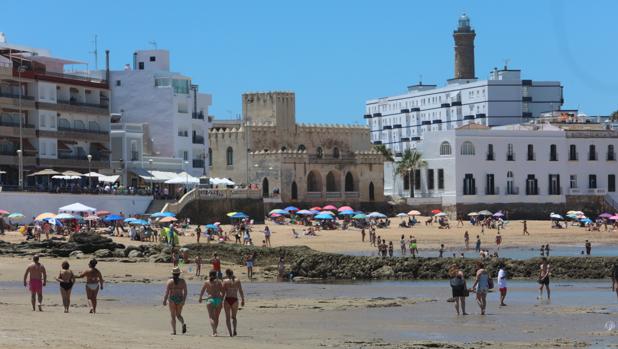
(614, 116)
(387, 153)
(411, 160)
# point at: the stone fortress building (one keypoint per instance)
(290, 162)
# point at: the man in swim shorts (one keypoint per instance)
(544, 273)
(38, 279)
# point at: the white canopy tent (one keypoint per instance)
(221, 181)
(108, 179)
(183, 178)
(77, 208)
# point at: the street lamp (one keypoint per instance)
(89, 157)
(20, 169)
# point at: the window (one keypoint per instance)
(467, 148)
(592, 153)
(63, 124)
(554, 184)
(611, 155)
(510, 184)
(490, 188)
(406, 182)
(229, 155)
(153, 58)
(532, 187)
(118, 83)
(611, 183)
(185, 155)
(530, 153)
(510, 155)
(140, 66)
(553, 153)
(440, 178)
(572, 152)
(163, 82)
(180, 86)
(134, 152)
(319, 152)
(573, 181)
(469, 185)
(301, 147)
(336, 153)
(79, 125)
(430, 179)
(43, 120)
(592, 181)
(490, 152)
(417, 179)
(209, 156)
(43, 148)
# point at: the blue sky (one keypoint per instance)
(335, 54)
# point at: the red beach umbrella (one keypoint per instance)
(436, 211)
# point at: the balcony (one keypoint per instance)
(41, 74)
(198, 163)
(589, 191)
(456, 104)
(76, 107)
(511, 191)
(11, 129)
(11, 159)
(72, 133)
(197, 139)
(351, 195)
(75, 161)
(197, 115)
(9, 99)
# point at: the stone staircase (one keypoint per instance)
(611, 202)
(157, 206)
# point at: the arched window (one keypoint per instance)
(319, 152)
(229, 155)
(509, 174)
(294, 191)
(349, 182)
(445, 148)
(336, 153)
(314, 182)
(265, 189)
(209, 156)
(372, 195)
(467, 148)
(301, 147)
(332, 182)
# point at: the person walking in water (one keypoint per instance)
(176, 294)
(232, 288)
(502, 284)
(467, 240)
(544, 273)
(214, 287)
(66, 279)
(458, 289)
(477, 248)
(615, 279)
(481, 286)
(94, 283)
(35, 278)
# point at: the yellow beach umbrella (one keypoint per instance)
(45, 215)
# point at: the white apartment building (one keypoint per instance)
(400, 121)
(520, 167)
(176, 113)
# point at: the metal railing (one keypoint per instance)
(15, 124)
(71, 76)
(197, 139)
(15, 95)
(73, 101)
(197, 115)
(74, 129)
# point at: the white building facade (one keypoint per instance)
(514, 166)
(176, 113)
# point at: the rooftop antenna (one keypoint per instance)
(506, 63)
(420, 79)
(95, 52)
(153, 43)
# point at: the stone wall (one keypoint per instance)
(210, 211)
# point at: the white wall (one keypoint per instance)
(32, 204)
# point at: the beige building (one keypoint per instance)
(293, 162)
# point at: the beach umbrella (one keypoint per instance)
(113, 217)
(230, 214)
(360, 216)
(275, 215)
(485, 213)
(16, 216)
(376, 215)
(571, 212)
(402, 214)
(53, 221)
(586, 220)
(163, 214)
(324, 216)
(602, 215)
(326, 212)
(345, 208)
(45, 215)
(139, 222)
(129, 220)
(414, 213)
(92, 218)
(64, 216)
(614, 217)
(436, 211)
(571, 216)
(167, 219)
(498, 214)
(316, 208)
(578, 213)
(212, 226)
(278, 211)
(441, 214)
(329, 208)
(239, 215)
(4, 212)
(291, 209)
(305, 213)
(103, 213)
(347, 213)
(555, 216)
(473, 214)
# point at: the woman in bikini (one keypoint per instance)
(232, 288)
(94, 282)
(66, 280)
(176, 293)
(214, 300)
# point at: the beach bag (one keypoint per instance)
(466, 292)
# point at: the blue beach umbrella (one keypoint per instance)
(163, 214)
(305, 213)
(212, 226)
(347, 213)
(112, 217)
(324, 216)
(376, 215)
(138, 222)
(360, 216)
(279, 211)
(291, 209)
(239, 215)
(130, 219)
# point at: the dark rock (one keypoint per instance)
(103, 253)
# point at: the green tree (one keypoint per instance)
(411, 160)
(387, 153)
(614, 116)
